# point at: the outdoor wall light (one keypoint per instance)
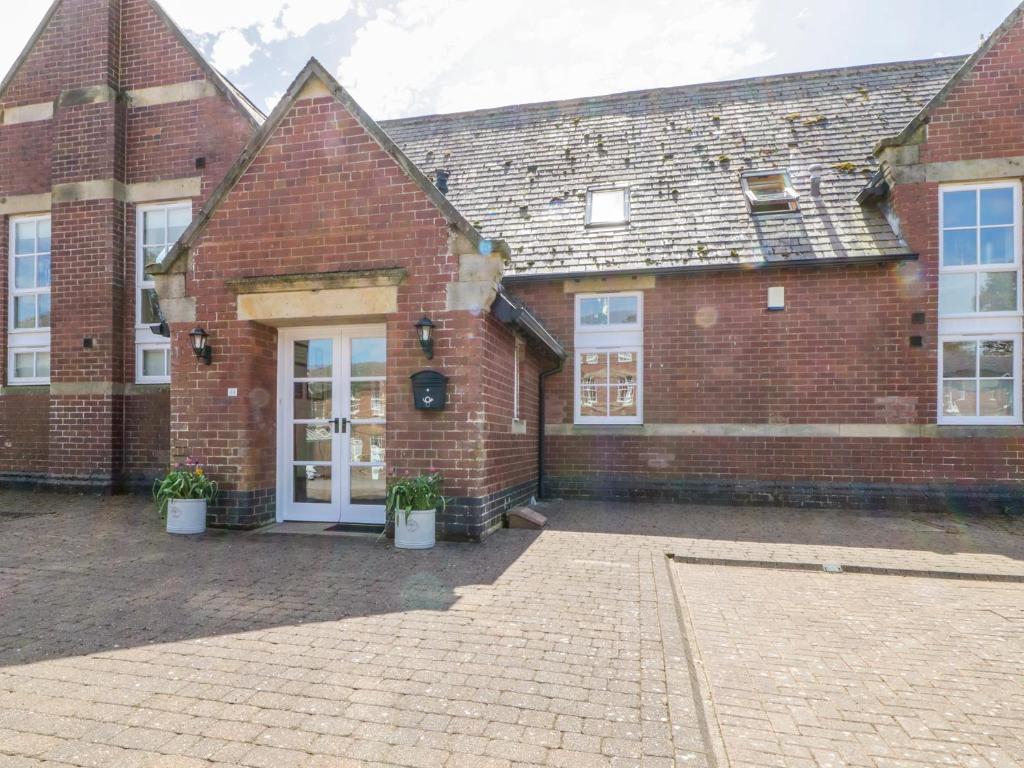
(425, 331)
(198, 339)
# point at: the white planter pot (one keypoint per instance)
(186, 516)
(417, 532)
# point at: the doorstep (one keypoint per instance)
(317, 529)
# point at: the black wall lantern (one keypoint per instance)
(203, 350)
(425, 331)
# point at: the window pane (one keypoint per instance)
(368, 485)
(959, 359)
(996, 359)
(313, 401)
(43, 236)
(24, 365)
(997, 291)
(148, 307)
(154, 362)
(594, 312)
(369, 357)
(154, 230)
(366, 443)
(178, 220)
(959, 209)
(960, 247)
(593, 369)
(369, 400)
(997, 245)
(959, 398)
(957, 294)
(25, 237)
(314, 359)
(152, 254)
(43, 270)
(608, 206)
(996, 398)
(624, 309)
(24, 272)
(996, 206)
(43, 365)
(44, 310)
(593, 400)
(25, 312)
(313, 442)
(313, 485)
(623, 395)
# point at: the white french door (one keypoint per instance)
(332, 411)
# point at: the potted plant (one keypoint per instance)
(412, 504)
(182, 497)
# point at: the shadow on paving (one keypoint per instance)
(942, 531)
(84, 574)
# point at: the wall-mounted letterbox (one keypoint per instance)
(429, 390)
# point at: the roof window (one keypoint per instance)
(770, 192)
(607, 207)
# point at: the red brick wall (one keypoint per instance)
(126, 45)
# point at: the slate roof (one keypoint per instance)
(521, 173)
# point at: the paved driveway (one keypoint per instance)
(121, 646)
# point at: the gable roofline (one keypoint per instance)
(225, 86)
(924, 116)
(13, 71)
(315, 70)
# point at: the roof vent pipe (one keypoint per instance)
(815, 180)
(442, 180)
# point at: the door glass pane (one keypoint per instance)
(996, 206)
(154, 362)
(25, 312)
(43, 365)
(313, 442)
(148, 308)
(996, 398)
(369, 400)
(25, 237)
(997, 245)
(314, 359)
(24, 272)
(369, 357)
(959, 398)
(43, 270)
(313, 485)
(624, 310)
(366, 444)
(313, 401)
(959, 359)
(368, 485)
(959, 209)
(44, 310)
(996, 359)
(997, 291)
(24, 365)
(960, 247)
(956, 294)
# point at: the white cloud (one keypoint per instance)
(271, 101)
(232, 51)
(274, 20)
(444, 55)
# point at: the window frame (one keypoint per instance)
(26, 340)
(145, 339)
(1017, 418)
(975, 269)
(626, 208)
(788, 196)
(608, 339)
(517, 360)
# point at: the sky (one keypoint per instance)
(411, 57)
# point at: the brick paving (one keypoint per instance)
(122, 646)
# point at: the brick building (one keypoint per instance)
(802, 289)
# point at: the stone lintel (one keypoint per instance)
(603, 284)
(291, 307)
(17, 204)
(90, 94)
(140, 192)
(317, 281)
(192, 90)
(27, 113)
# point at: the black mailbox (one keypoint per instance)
(429, 390)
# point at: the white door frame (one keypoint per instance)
(340, 510)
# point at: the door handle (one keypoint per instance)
(340, 426)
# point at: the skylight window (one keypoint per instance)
(770, 192)
(607, 207)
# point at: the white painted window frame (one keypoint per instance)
(144, 337)
(609, 339)
(983, 326)
(789, 195)
(517, 360)
(626, 210)
(26, 340)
